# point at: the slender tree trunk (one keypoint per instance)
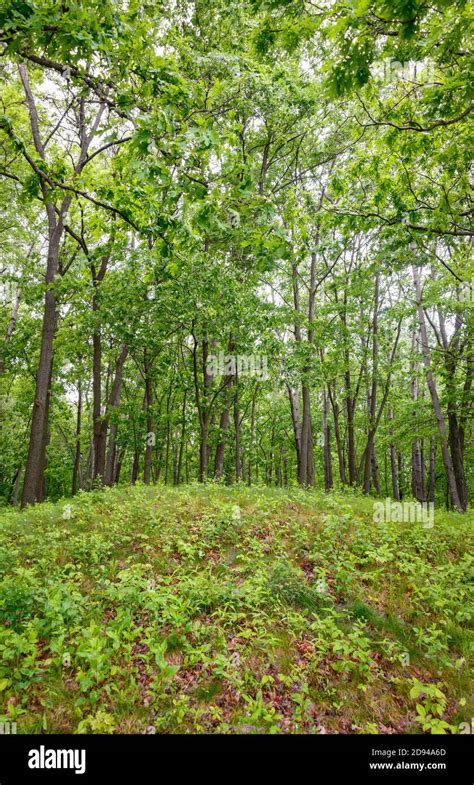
(16, 489)
(284, 459)
(149, 417)
(182, 440)
(293, 396)
(238, 465)
(416, 467)
(111, 462)
(135, 466)
(10, 328)
(400, 476)
(77, 458)
(370, 461)
(224, 423)
(455, 431)
(393, 462)
(252, 438)
(168, 432)
(301, 431)
(112, 404)
(423, 470)
(337, 432)
(33, 486)
(100, 428)
(118, 465)
(432, 479)
(448, 465)
(328, 478)
(350, 406)
(202, 405)
(33, 489)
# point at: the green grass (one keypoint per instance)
(209, 609)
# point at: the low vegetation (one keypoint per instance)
(209, 609)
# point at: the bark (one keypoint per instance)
(168, 431)
(306, 457)
(293, 396)
(432, 480)
(99, 425)
(205, 399)
(16, 489)
(337, 432)
(238, 466)
(370, 462)
(350, 398)
(416, 463)
(112, 404)
(33, 487)
(252, 437)
(224, 423)
(393, 462)
(77, 457)
(10, 328)
(447, 462)
(202, 405)
(135, 466)
(118, 466)
(284, 460)
(182, 440)
(149, 417)
(305, 474)
(328, 478)
(455, 430)
(400, 476)
(369, 452)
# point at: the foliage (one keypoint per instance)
(159, 608)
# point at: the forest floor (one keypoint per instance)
(234, 610)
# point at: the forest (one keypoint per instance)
(236, 365)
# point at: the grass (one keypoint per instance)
(210, 609)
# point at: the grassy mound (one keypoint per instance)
(209, 609)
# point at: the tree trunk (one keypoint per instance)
(224, 423)
(400, 476)
(149, 418)
(416, 467)
(99, 427)
(328, 478)
(33, 489)
(370, 460)
(112, 404)
(10, 328)
(455, 431)
(393, 462)
(238, 466)
(252, 437)
(182, 440)
(337, 433)
(203, 406)
(447, 462)
(77, 457)
(432, 481)
(293, 396)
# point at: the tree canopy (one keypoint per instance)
(236, 245)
